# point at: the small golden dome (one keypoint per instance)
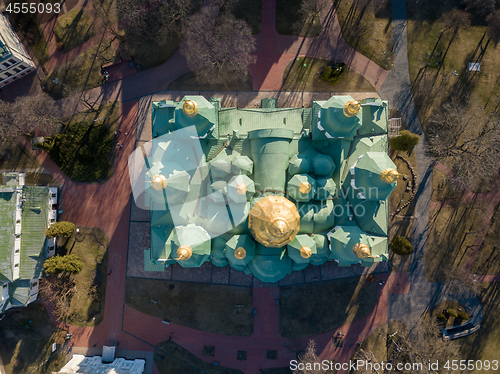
(184, 252)
(389, 175)
(159, 182)
(305, 187)
(274, 221)
(352, 108)
(190, 108)
(305, 252)
(240, 189)
(240, 253)
(361, 250)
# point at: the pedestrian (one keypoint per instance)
(109, 272)
(169, 337)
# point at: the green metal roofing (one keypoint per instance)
(235, 242)
(242, 165)
(299, 164)
(293, 187)
(204, 121)
(297, 243)
(323, 165)
(270, 268)
(7, 237)
(34, 224)
(325, 189)
(219, 252)
(246, 120)
(367, 176)
(372, 216)
(19, 292)
(374, 118)
(322, 250)
(332, 121)
(233, 188)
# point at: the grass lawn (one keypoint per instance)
(30, 28)
(442, 188)
(368, 29)
(83, 72)
(298, 77)
(172, 358)
(484, 344)
(312, 309)
(17, 158)
(402, 223)
(190, 82)
(287, 14)
(85, 150)
(27, 335)
(73, 28)
(488, 260)
(434, 55)
(452, 232)
(202, 307)
(92, 250)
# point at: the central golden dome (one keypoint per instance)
(352, 108)
(190, 108)
(274, 221)
(184, 252)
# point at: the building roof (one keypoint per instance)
(256, 156)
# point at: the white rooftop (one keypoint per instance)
(81, 364)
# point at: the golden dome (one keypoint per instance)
(190, 108)
(240, 253)
(184, 252)
(305, 187)
(352, 108)
(159, 182)
(361, 250)
(240, 189)
(389, 175)
(305, 252)
(274, 221)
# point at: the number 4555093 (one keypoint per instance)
(33, 8)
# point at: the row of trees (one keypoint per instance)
(216, 43)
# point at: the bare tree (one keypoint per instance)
(309, 362)
(60, 290)
(36, 114)
(140, 20)
(479, 7)
(493, 20)
(455, 20)
(422, 344)
(470, 146)
(309, 10)
(218, 45)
